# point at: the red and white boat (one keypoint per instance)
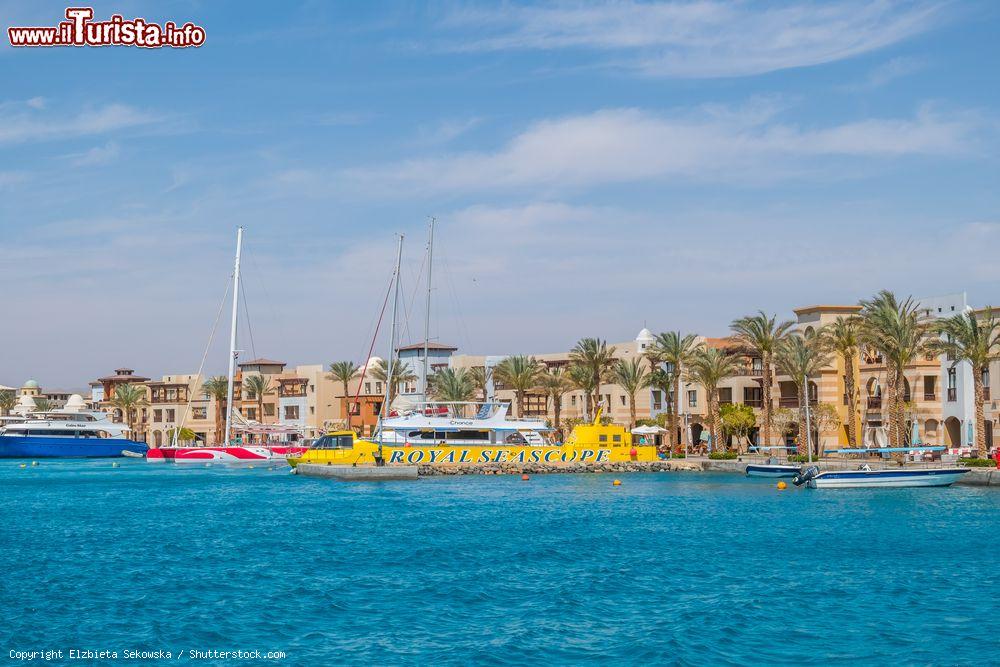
(274, 441)
(230, 454)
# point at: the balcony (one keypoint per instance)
(788, 402)
(874, 402)
(750, 371)
(952, 394)
(930, 395)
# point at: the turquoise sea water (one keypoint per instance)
(678, 568)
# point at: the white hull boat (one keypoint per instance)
(886, 478)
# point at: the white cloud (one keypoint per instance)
(702, 38)
(96, 156)
(16, 127)
(885, 73)
(634, 145)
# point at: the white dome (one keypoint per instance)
(25, 405)
(645, 336)
(75, 404)
(31, 384)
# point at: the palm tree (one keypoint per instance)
(594, 355)
(709, 367)
(520, 374)
(481, 377)
(7, 401)
(343, 372)
(183, 435)
(451, 385)
(555, 383)
(761, 335)
(401, 373)
(128, 398)
(631, 375)
(675, 350)
(843, 337)
(898, 330)
(258, 386)
(580, 378)
(802, 357)
(43, 405)
(218, 388)
(976, 341)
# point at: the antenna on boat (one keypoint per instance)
(232, 336)
(390, 362)
(427, 317)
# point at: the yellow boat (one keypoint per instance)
(588, 443)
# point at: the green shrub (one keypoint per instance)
(978, 463)
(798, 458)
(722, 456)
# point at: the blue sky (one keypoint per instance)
(593, 168)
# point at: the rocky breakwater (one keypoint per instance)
(553, 468)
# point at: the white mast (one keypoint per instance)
(427, 318)
(805, 381)
(232, 335)
(390, 361)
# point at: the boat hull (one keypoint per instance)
(41, 447)
(854, 479)
(363, 453)
(247, 454)
(765, 470)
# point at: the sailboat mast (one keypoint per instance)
(809, 447)
(427, 317)
(232, 335)
(391, 360)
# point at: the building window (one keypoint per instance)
(952, 381)
(753, 396)
(657, 401)
(291, 412)
(624, 402)
(368, 387)
(170, 414)
(572, 400)
(312, 410)
(252, 413)
(157, 415)
(199, 413)
(930, 388)
(725, 395)
(378, 387)
(693, 398)
(269, 409)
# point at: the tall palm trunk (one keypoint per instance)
(980, 425)
(219, 409)
(765, 432)
(902, 437)
(674, 413)
(520, 404)
(711, 418)
(803, 448)
(631, 411)
(889, 408)
(347, 404)
(852, 401)
(597, 391)
(587, 398)
(557, 410)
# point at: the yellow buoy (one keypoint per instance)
(251, 467)
(617, 482)
(782, 486)
(24, 465)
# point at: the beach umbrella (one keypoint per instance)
(970, 434)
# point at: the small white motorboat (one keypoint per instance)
(771, 470)
(866, 476)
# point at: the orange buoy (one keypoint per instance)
(782, 486)
(617, 482)
(525, 478)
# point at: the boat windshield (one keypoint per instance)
(334, 442)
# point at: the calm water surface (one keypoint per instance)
(676, 568)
